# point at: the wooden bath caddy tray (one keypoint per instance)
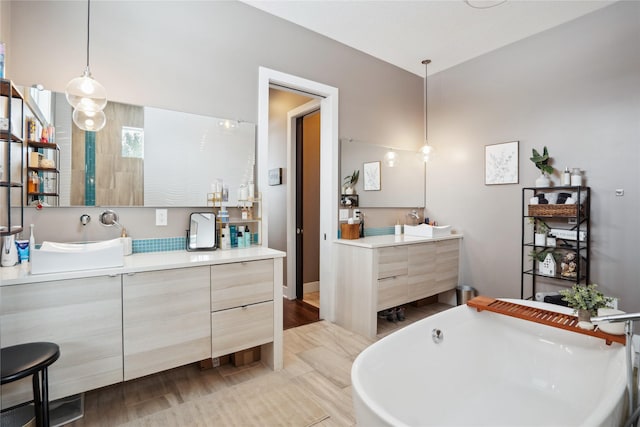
(538, 315)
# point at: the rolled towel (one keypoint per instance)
(533, 201)
(552, 198)
(569, 201)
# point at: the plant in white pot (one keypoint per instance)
(585, 301)
(540, 231)
(542, 163)
(350, 181)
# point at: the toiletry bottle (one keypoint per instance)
(247, 237)
(32, 240)
(566, 177)
(233, 236)
(127, 244)
(398, 229)
(240, 238)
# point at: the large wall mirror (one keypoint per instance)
(147, 156)
(400, 186)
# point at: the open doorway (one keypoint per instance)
(327, 97)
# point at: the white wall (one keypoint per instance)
(203, 58)
(575, 89)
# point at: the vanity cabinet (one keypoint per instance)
(83, 316)
(242, 306)
(165, 319)
(383, 274)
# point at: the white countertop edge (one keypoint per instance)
(137, 263)
(386, 240)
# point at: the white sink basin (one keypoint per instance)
(54, 257)
(424, 230)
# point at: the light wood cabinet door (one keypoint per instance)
(165, 319)
(82, 316)
(392, 261)
(447, 256)
(241, 328)
(241, 283)
(422, 271)
(392, 291)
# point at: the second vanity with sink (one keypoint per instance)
(158, 311)
(380, 272)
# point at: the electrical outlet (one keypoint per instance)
(216, 362)
(344, 214)
(161, 217)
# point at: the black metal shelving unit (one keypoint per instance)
(11, 143)
(578, 223)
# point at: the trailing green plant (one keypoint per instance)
(542, 161)
(581, 297)
(352, 179)
(542, 254)
(541, 226)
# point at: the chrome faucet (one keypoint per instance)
(628, 319)
(414, 216)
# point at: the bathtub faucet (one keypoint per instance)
(628, 319)
(414, 216)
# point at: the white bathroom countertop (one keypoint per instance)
(372, 242)
(136, 263)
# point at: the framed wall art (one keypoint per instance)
(501, 163)
(371, 172)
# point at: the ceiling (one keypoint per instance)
(448, 32)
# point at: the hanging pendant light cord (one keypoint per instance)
(426, 62)
(88, 27)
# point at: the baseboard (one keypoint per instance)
(311, 287)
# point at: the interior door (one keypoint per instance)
(307, 200)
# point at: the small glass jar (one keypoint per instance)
(576, 177)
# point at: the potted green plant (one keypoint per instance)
(542, 163)
(349, 185)
(585, 300)
(541, 229)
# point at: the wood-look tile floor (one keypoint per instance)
(317, 362)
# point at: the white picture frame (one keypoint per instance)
(371, 172)
(501, 163)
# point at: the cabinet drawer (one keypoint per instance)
(240, 328)
(241, 283)
(392, 261)
(392, 291)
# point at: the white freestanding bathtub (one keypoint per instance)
(489, 369)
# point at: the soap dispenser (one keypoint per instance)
(127, 243)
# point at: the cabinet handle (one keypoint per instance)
(131, 274)
(388, 278)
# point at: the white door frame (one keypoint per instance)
(329, 185)
(290, 290)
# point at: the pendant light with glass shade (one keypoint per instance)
(86, 95)
(426, 149)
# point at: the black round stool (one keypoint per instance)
(20, 361)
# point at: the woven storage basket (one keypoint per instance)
(350, 231)
(553, 210)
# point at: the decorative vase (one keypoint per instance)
(349, 190)
(543, 180)
(584, 319)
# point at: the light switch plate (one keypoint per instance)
(161, 217)
(344, 214)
